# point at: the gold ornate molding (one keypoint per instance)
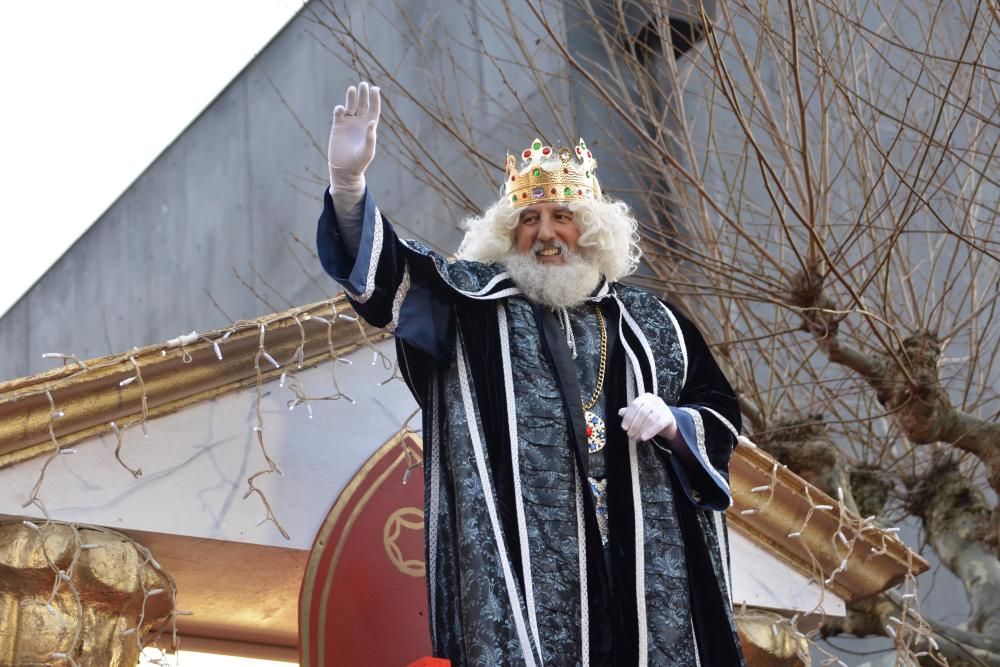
(173, 377)
(77, 595)
(771, 505)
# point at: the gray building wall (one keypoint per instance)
(246, 175)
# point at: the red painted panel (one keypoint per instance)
(363, 599)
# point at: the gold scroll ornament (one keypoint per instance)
(88, 617)
(769, 641)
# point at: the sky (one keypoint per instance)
(93, 91)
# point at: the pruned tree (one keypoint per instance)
(819, 187)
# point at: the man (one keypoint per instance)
(577, 432)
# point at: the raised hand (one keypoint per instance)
(352, 137)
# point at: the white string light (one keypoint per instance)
(907, 635)
(258, 430)
(842, 545)
(180, 341)
(66, 357)
(183, 343)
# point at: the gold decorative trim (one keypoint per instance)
(173, 377)
(770, 507)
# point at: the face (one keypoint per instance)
(541, 228)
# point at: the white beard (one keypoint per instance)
(553, 285)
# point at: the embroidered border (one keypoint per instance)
(489, 285)
(483, 292)
(581, 559)
(640, 537)
(397, 300)
(522, 524)
(373, 260)
(510, 291)
(636, 377)
(435, 501)
(487, 489)
(699, 428)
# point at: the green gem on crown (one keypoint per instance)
(536, 172)
(567, 191)
(536, 145)
(513, 199)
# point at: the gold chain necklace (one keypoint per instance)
(596, 429)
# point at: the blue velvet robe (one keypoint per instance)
(516, 571)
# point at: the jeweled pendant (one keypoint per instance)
(597, 435)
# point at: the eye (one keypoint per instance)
(529, 219)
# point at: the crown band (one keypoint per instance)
(551, 175)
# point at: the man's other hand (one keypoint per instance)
(647, 417)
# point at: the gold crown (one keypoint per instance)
(551, 175)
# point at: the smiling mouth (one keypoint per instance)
(550, 252)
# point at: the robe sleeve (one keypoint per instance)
(708, 421)
(389, 284)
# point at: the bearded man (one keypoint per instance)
(577, 431)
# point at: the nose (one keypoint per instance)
(546, 228)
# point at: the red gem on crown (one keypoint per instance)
(526, 154)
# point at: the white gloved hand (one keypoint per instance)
(648, 416)
(352, 138)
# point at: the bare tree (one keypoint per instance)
(818, 184)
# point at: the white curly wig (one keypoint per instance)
(609, 235)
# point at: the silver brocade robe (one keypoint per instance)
(516, 573)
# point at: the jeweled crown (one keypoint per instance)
(551, 174)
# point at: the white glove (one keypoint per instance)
(352, 139)
(648, 416)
